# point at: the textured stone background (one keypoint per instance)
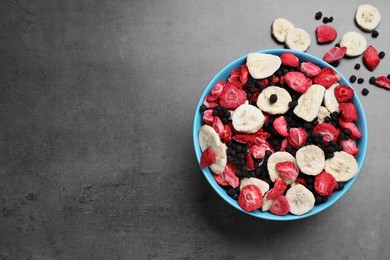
(96, 155)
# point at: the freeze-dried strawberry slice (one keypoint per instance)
(383, 82)
(275, 79)
(327, 77)
(208, 116)
(343, 93)
(348, 111)
(227, 134)
(232, 97)
(280, 125)
(229, 175)
(310, 69)
(280, 207)
(211, 98)
(208, 158)
(371, 58)
(279, 187)
(283, 144)
(289, 59)
(327, 131)
(209, 104)
(264, 82)
(324, 184)
(218, 126)
(220, 180)
(244, 74)
(349, 146)
(355, 133)
(297, 81)
(241, 138)
(250, 198)
(300, 180)
(260, 137)
(234, 76)
(297, 137)
(287, 170)
(250, 164)
(236, 83)
(258, 151)
(335, 54)
(217, 89)
(325, 34)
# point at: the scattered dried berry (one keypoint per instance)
(318, 15)
(352, 79)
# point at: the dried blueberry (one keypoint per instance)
(318, 15)
(365, 92)
(352, 79)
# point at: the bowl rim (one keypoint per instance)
(361, 123)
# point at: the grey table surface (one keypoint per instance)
(96, 155)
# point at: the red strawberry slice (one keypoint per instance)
(275, 79)
(250, 198)
(209, 104)
(348, 111)
(232, 97)
(325, 34)
(335, 54)
(297, 81)
(208, 116)
(241, 138)
(310, 69)
(289, 59)
(217, 89)
(250, 164)
(287, 170)
(229, 175)
(211, 98)
(371, 58)
(383, 82)
(218, 126)
(258, 151)
(279, 187)
(343, 93)
(327, 77)
(208, 158)
(300, 180)
(349, 146)
(234, 76)
(283, 145)
(327, 131)
(244, 74)
(280, 125)
(280, 207)
(297, 137)
(264, 82)
(355, 133)
(324, 184)
(227, 134)
(236, 83)
(260, 137)
(220, 180)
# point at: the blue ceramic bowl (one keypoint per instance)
(361, 144)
